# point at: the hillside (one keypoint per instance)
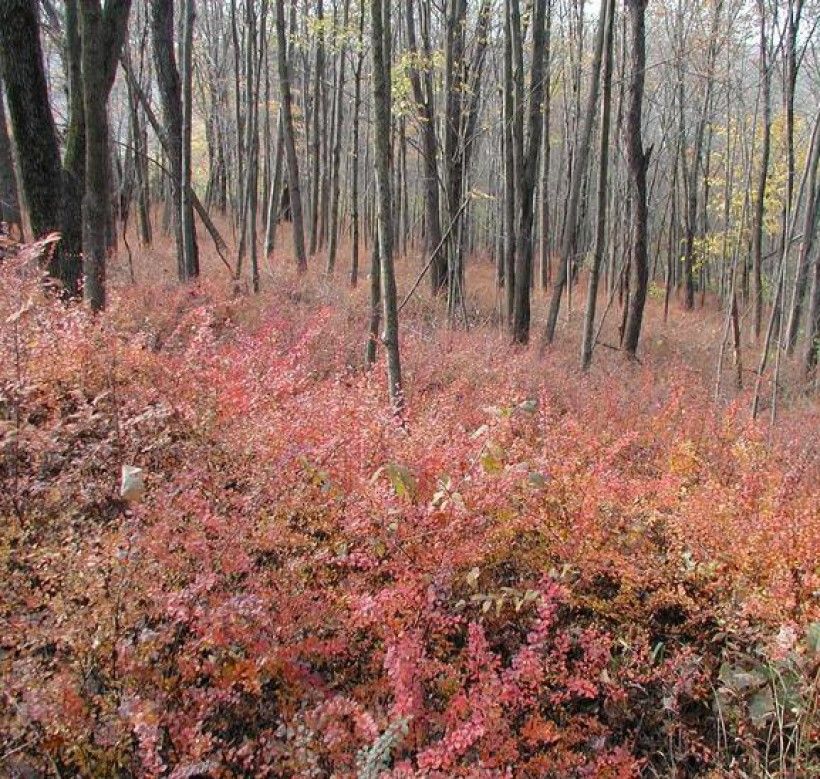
(532, 572)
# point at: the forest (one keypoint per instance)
(410, 388)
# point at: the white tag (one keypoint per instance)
(132, 483)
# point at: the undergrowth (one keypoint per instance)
(533, 574)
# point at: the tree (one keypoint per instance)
(21, 59)
(578, 174)
(760, 199)
(9, 201)
(587, 343)
(190, 254)
(338, 113)
(526, 178)
(638, 161)
(423, 98)
(380, 46)
(110, 36)
(96, 197)
(290, 142)
(171, 99)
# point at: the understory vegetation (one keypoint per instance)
(528, 573)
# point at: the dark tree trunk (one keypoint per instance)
(9, 201)
(170, 92)
(508, 262)
(315, 148)
(587, 343)
(570, 238)
(294, 192)
(423, 97)
(380, 31)
(112, 31)
(95, 205)
(526, 183)
(21, 59)
(190, 254)
(638, 161)
(757, 227)
(354, 187)
(74, 157)
(453, 158)
(338, 113)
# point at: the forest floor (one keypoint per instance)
(534, 573)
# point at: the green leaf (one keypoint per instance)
(761, 706)
(813, 638)
(529, 406)
(739, 680)
(536, 480)
(492, 458)
(402, 481)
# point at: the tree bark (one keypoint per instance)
(638, 161)
(337, 153)
(569, 239)
(290, 142)
(380, 44)
(811, 215)
(190, 254)
(526, 183)
(354, 185)
(587, 344)
(9, 200)
(315, 148)
(35, 138)
(757, 227)
(170, 91)
(95, 199)
(423, 97)
(113, 29)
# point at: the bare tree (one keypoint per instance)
(526, 180)
(638, 161)
(587, 344)
(294, 191)
(9, 201)
(380, 45)
(21, 59)
(170, 91)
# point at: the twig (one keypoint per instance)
(435, 253)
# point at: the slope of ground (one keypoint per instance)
(533, 573)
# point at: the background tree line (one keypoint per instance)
(600, 152)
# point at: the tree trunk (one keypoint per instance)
(569, 239)
(337, 153)
(190, 254)
(508, 261)
(95, 200)
(810, 218)
(380, 32)
(453, 160)
(587, 344)
(170, 91)
(638, 161)
(423, 97)
(290, 142)
(526, 183)
(354, 185)
(813, 325)
(757, 227)
(275, 192)
(35, 138)
(9, 201)
(318, 76)
(545, 275)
